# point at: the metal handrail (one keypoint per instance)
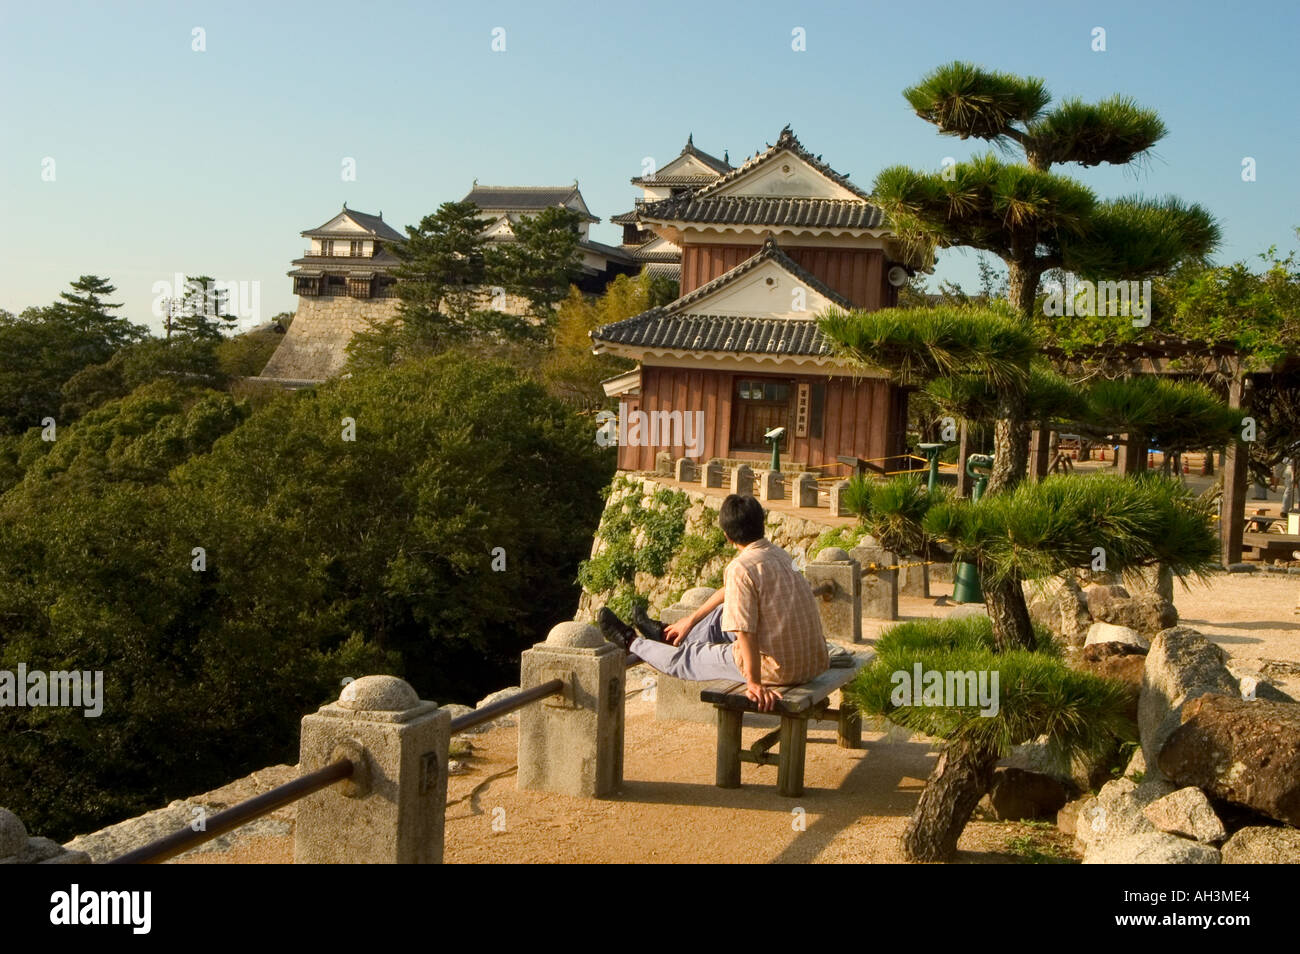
(179, 842)
(176, 843)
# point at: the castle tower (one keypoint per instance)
(343, 281)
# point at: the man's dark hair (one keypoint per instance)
(741, 519)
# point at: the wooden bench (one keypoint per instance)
(797, 705)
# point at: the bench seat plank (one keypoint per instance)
(794, 701)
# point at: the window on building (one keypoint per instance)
(356, 249)
(327, 246)
(760, 404)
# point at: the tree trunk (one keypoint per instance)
(959, 780)
(1008, 612)
(1010, 446)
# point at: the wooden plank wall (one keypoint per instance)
(860, 418)
(856, 273)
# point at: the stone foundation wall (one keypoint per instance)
(313, 348)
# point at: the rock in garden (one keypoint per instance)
(1110, 633)
(1016, 794)
(1260, 845)
(1115, 813)
(1186, 812)
(1123, 662)
(1181, 665)
(1099, 596)
(1244, 752)
(1152, 848)
(1059, 605)
(1147, 613)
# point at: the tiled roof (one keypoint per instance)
(786, 142)
(765, 210)
(624, 218)
(659, 328)
(713, 162)
(522, 198)
(675, 327)
(373, 224)
(696, 179)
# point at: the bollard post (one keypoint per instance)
(805, 491)
(392, 809)
(572, 742)
(771, 485)
(742, 480)
(837, 499)
(880, 586)
(680, 698)
(686, 470)
(713, 474)
(842, 613)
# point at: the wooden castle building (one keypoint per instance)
(764, 248)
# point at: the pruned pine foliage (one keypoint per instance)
(893, 510)
(1115, 130)
(915, 344)
(1171, 415)
(965, 100)
(1046, 528)
(1081, 715)
(1138, 237)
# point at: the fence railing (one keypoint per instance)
(390, 750)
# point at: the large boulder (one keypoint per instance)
(1147, 613)
(1152, 848)
(1244, 752)
(1016, 794)
(1115, 813)
(1186, 812)
(1180, 666)
(1111, 633)
(1123, 662)
(1059, 605)
(1260, 845)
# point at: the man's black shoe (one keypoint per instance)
(614, 629)
(647, 627)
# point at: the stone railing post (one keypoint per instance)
(805, 490)
(572, 742)
(837, 499)
(713, 474)
(771, 485)
(742, 480)
(392, 809)
(686, 470)
(841, 612)
(680, 698)
(879, 586)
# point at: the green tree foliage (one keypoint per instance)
(43, 347)
(542, 261)
(570, 369)
(323, 558)
(1077, 714)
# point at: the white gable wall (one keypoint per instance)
(769, 291)
(785, 174)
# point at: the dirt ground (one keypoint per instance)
(856, 801)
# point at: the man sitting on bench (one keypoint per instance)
(762, 628)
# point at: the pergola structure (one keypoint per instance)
(1163, 354)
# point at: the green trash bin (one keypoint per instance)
(966, 576)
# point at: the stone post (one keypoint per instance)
(680, 698)
(686, 471)
(837, 499)
(742, 480)
(391, 810)
(841, 612)
(664, 464)
(879, 586)
(572, 742)
(914, 580)
(805, 490)
(713, 473)
(771, 485)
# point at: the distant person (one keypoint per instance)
(1289, 466)
(762, 628)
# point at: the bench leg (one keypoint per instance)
(850, 726)
(794, 745)
(728, 768)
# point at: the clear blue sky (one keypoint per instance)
(172, 160)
